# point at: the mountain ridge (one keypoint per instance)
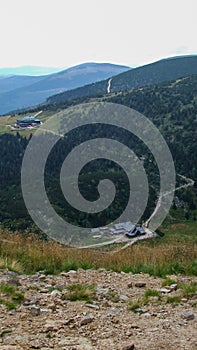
(40, 88)
(152, 73)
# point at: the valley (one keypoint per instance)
(171, 106)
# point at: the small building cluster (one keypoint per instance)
(27, 122)
(127, 228)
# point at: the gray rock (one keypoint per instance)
(42, 277)
(35, 344)
(14, 282)
(140, 284)
(49, 286)
(31, 301)
(115, 311)
(56, 293)
(87, 319)
(92, 306)
(164, 290)
(146, 314)
(184, 300)
(45, 311)
(64, 274)
(102, 291)
(183, 280)
(72, 272)
(124, 297)
(60, 286)
(50, 326)
(44, 290)
(11, 273)
(35, 311)
(188, 315)
(52, 306)
(139, 310)
(174, 286)
(129, 347)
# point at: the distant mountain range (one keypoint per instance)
(29, 70)
(23, 91)
(88, 79)
(154, 73)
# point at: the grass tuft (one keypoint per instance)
(173, 300)
(188, 290)
(10, 297)
(152, 293)
(12, 265)
(168, 282)
(135, 304)
(83, 292)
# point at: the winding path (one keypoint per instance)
(149, 233)
(189, 182)
(109, 86)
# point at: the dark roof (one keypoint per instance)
(28, 119)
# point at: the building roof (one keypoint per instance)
(125, 225)
(27, 119)
(95, 230)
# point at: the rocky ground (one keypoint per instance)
(48, 319)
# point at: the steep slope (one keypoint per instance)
(164, 70)
(172, 106)
(68, 79)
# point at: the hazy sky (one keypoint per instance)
(67, 32)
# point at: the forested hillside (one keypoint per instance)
(173, 109)
(157, 72)
(172, 106)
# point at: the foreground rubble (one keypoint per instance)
(47, 318)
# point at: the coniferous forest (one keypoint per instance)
(172, 106)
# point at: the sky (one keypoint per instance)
(63, 33)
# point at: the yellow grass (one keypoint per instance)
(29, 254)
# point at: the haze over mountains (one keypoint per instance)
(29, 70)
(24, 91)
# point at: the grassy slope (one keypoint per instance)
(174, 253)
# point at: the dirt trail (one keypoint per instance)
(189, 182)
(109, 86)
